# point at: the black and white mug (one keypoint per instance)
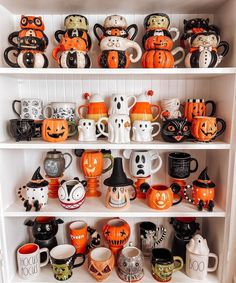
(30, 108)
(60, 110)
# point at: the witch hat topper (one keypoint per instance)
(118, 177)
(204, 181)
(37, 180)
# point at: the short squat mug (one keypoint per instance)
(87, 130)
(30, 108)
(22, 129)
(143, 130)
(179, 165)
(60, 110)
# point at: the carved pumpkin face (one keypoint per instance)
(159, 42)
(160, 197)
(92, 163)
(54, 130)
(204, 128)
(100, 263)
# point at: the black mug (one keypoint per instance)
(179, 165)
(22, 129)
(147, 233)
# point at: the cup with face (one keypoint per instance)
(121, 104)
(87, 130)
(143, 130)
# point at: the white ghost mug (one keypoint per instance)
(87, 130)
(119, 127)
(142, 131)
(120, 104)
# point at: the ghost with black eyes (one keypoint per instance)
(142, 131)
(87, 130)
(121, 104)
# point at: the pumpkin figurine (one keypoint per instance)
(116, 232)
(203, 192)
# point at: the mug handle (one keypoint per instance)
(109, 156)
(99, 124)
(55, 52)
(45, 109)
(103, 128)
(44, 250)
(135, 100)
(177, 50)
(81, 263)
(135, 27)
(14, 35)
(186, 188)
(179, 259)
(13, 107)
(196, 165)
(158, 130)
(79, 110)
(57, 33)
(70, 156)
(135, 193)
(72, 124)
(157, 164)
(98, 26)
(213, 105)
(223, 126)
(212, 269)
(175, 189)
(15, 54)
(225, 46)
(158, 111)
(176, 31)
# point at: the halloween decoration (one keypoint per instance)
(204, 128)
(87, 130)
(96, 107)
(101, 263)
(115, 25)
(185, 228)
(163, 264)
(44, 230)
(204, 50)
(198, 107)
(28, 261)
(120, 104)
(203, 192)
(149, 237)
(36, 192)
(175, 130)
(71, 193)
(162, 197)
(92, 167)
(197, 258)
(130, 264)
(142, 164)
(142, 131)
(143, 110)
(62, 258)
(28, 45)
(116, 232)
(22, 129)
(30, 108)
(118, 194)
(60, 110)
(119, 127)
(170, 108)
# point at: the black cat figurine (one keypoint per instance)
(175, 130)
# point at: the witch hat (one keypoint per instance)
(118, 177)
(204, 181)
(37, 180)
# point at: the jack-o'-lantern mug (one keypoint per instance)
(198, 107)
(162, 197)
(204, 128)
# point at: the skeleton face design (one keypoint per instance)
(117, 197)
(115, 21)
(205, 40)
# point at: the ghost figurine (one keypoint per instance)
(87, 130)
(120, 104)
(142, 131)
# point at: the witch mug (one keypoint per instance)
(120, 104)
(198, 107)
(30, 108)
(142, 131)
(60, 110)
(87, 130)
(28, 259)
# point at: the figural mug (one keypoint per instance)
(170, 108)
(87, 130)
(28, 260)
(120, 104)
(30, 108)
(143, 130)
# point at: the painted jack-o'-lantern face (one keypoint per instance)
(54, 130)
(159, 42)
(204, 128)
(92, 163)
(160, 197)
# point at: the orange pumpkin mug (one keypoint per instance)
(204, 128)
(162, 197)
(198, 107)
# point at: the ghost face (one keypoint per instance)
(140, 164)
(142, 131)
(205, 40)
(87, 130)
(115, 21)
(119, 104)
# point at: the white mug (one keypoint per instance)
(118, 128)
(142, 130)
(60, 110)
(141, 162)
(120, 104)
(28, 259)
(87, 130)
(30, 108)
(170, 108)
(197, 258)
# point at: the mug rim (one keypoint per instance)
(21, 120)
(66, 248)
(126, 250)
(204, 117)
(109, 256)
(177, 155)
(163, 260)
(61, 102)
(143, 225)
(28, 245)
(75, 227)
(159, 187)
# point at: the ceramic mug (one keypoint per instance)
(87, 130)
(120, 104)
(142, 130)
(60, 110)
(179, 165)
(198, 107)
(163, 264)
(28, 260)
(22, 129)
(170, 108)
(100, 263)
(118, 128)
(130, 264)
(62, 258)
(30, 108)
(204, 128)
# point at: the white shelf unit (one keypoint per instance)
(19, 160)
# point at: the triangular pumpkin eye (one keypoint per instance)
(93, 269)
(63, 128)
(204, 124)
(48, 128)
(106, 269)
